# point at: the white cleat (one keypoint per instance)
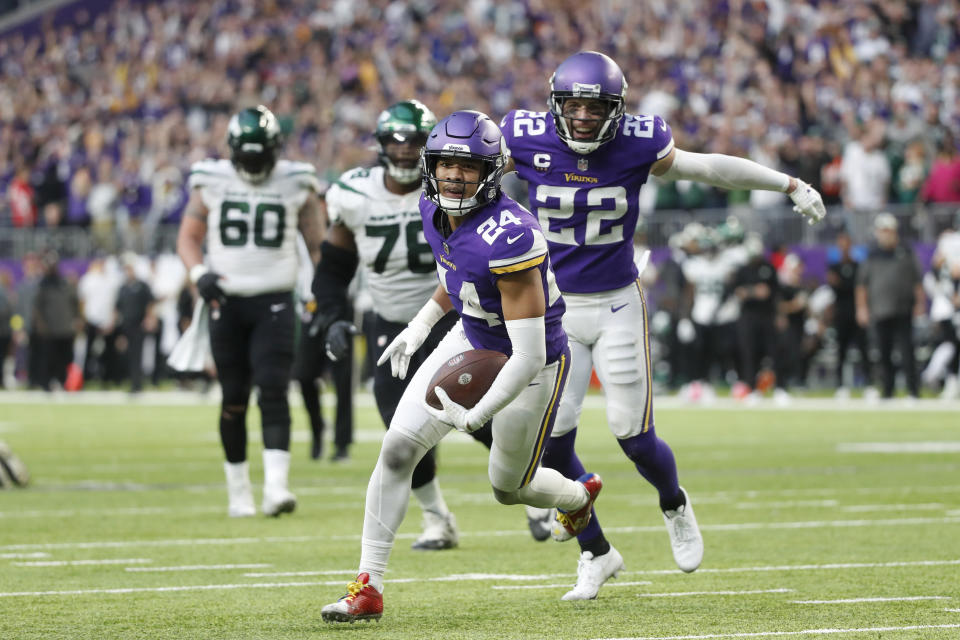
(540, 522)
(277, 501)
(239, 493)
(439, 533)
(277, 498)
(685, 538)
(593, 572)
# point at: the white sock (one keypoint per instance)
(276, 468)
(431, 498)
(549, 488)
(388, 494)
(238, 473)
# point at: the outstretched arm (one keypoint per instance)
(730, 172)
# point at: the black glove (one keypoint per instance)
(208, 288)
(339, 338)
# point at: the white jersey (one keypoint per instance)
(730, 259)
(398, 264)
(252, 228)
(709, 275)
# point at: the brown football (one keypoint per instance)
(466, 377)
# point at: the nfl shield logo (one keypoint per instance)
(446, 248)
(582, 164)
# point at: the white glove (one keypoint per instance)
(403, 347)
(456, 415)
(410, 339)
(807, 202)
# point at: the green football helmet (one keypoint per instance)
(406, 122)
(254, 138)
(731, 232)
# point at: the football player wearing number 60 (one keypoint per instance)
(585, 161)
(375, 222)
(494, 271)
(249, 209)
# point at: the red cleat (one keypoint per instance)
(362, 602)
(574, 523)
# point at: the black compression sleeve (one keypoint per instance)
(330, 282)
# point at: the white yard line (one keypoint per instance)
(805, 524)
(858, 508)
(855, 600)
(808, 567)
(301, 574)
(81, 563)
(270, 585)
(23, 556)
(805, 632)
(199, 567)
(199, 587)
(96, 513)
(950, 446)
(565, 585)
(683, 594)
(744, 526)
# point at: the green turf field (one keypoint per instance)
(817, 523)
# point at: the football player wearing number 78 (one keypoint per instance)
(494, 270)
(585, 161)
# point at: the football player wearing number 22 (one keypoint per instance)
(250, 209)
(584, 161)
(494, 270)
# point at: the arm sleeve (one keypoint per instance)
(330, 282)
(528, 340)
(727, 172)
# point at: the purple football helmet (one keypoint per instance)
(464, 134)
(588, 74)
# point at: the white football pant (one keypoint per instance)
(608, 331)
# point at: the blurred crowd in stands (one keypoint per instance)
(102, 111)
(101, 114)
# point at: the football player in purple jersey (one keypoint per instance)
(495, 272)
(585, 160)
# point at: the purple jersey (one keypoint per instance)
(587, 204)
(500, 237)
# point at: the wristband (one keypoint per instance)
(430, 314)
(197, 271)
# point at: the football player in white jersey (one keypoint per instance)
(249, 210)
(375, 221)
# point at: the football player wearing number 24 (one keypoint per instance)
(495, 272)
(249, 210)
(375, 222)
(584, 161)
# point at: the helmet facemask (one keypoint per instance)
(468, 135)
(396, 169)
(487, 185)
(403, 123)
(604, 133)
(588, 75)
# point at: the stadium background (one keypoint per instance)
(104, 105)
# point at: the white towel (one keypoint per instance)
(192, 350)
